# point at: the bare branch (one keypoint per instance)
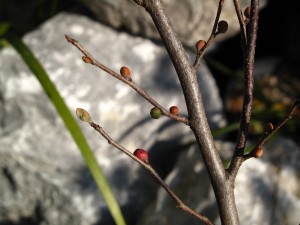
(150, 169)
(242, 23)
(223, 190)
(91, 60)
(249, 55)
(211, 38)
(222, 180)
(272, 130)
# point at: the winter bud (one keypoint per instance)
(83, 115)
(125, 72)
(270, 126)
(247, 12)
(86, 59)
(258, 152)
(199, 45)
(155, 113)
(174, 110)
(222, 27)
(141, 154)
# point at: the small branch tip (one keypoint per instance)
(69, 39)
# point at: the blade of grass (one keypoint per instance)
(72, 126)
(225, 130)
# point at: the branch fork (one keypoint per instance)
(222, 180)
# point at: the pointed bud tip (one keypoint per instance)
(270, 126)
(83, 115)
(86, 59)
(247, 12)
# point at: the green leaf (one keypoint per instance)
(70, 123)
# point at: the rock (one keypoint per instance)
(267, 189)
(192, 19)
(40, 164)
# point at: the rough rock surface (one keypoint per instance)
(43, 176)
(192, 19)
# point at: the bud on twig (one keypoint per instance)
(125, 72)
(155, 113)
(199, 45)
(86, 59)
(222, 27)
(174, 109)
(270, 127)
(247, 12)
(141, 154)
(83, 115)
(258, 152)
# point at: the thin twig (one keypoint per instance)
(150, 169)
(271, 131)
(242, 23)
(201, 53)
(249, 55)
(133, 85)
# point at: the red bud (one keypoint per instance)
(174, 109)
(199, 45)
(141, 154)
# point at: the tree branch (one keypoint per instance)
(249, 55)
(222, 180)
(197, 117)
(91, 60)
(242, 23)
(211, 38)
(150, 169)
(271, 130)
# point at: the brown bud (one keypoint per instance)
(258, 152)
(83, 115)
(222, 27)
(199, 45)
(174, 109)
(86, 59)
(270, 126)
(125, 72)
(247, 12)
